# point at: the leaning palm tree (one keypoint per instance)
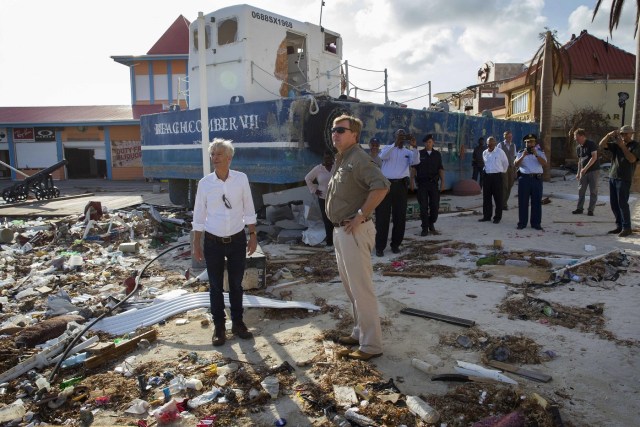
(547, 72)
(614, 20)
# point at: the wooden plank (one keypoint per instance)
(116, 351)
(531, 374)
(442, 317)
(287, 261)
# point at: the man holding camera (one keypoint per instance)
(396, 160)
(530, 163)
(625, 153)
(428, 173)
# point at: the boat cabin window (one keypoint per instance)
(330, 43)
(227, 31)
(207, 37)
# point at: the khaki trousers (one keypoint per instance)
(507, 184)
(353, 255)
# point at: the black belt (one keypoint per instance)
(346, 221)
(532, 175)
(225, 240)
(494, 173)
(398, 179)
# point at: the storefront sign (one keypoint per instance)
(23, 135)
(126, 154)
(45, 134)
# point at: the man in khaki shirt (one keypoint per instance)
(355, 189)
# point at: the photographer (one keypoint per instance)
(396, 160)
(530, 163)
(624, 158)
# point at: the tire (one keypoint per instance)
(318, 128)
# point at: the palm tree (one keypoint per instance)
(614, 20)
(547, 72)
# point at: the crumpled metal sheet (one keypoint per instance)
(138, 318)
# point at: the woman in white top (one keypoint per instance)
(317, 180)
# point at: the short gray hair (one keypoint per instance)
(225, 144)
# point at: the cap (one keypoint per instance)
(626, 129)
(400, 131)
(427, 137)
(530, 136)
(374, 141)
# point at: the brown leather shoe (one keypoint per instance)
(347, 340)
(240, 329)
(219, 336)
(361, 355)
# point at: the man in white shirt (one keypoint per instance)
(223, 207)
(495, 166)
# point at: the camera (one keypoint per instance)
(530, 150)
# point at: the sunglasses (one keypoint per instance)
(226, 202)
(339, 129)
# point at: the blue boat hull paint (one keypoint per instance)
(278, 142)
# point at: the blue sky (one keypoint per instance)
(58, 53)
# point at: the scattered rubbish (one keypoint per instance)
(501, 354)
(422, 409)
(528, 373)
(589, 248)
(472, 369)
(422, 366)
(271, 385)
(464, 341)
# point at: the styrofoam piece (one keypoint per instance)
(157, 312)
(472, 369)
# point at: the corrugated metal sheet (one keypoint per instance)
(594, 58)
(11, 116)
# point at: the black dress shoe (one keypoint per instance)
(496, 221)
(240, 329)
(577, 211)
(424, 232)
(537, 227)
(379, 252)
(520, 227)
(218, 337)
(590, 213)
(615, 230)
(395, 250)
(484, 219)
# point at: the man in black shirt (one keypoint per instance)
(625, 153)
(477, 162)
(588, 171)
(428, 173)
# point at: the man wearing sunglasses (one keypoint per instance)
(356, 187)
(396, 163)
(223, 207)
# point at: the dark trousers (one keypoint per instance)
(429, 199)
(619, 198)
(492, 189)
(328, 225)
(235, 253)
(529, 187)
(393, 206)
(478, 174)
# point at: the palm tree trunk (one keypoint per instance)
(546, 101)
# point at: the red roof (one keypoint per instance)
(174, 41)
(594, 58)
(74, 114)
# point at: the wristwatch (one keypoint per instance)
(361, 213)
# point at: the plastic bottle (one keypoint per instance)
(42, 383)
(194, 384)
(74, 360)
(422, 409)
(204, 398)
(340, 421)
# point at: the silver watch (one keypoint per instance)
(361, 213)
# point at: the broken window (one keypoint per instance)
(330, 42)
(227, 31)
(207, 37)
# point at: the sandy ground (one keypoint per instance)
(595, 380)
